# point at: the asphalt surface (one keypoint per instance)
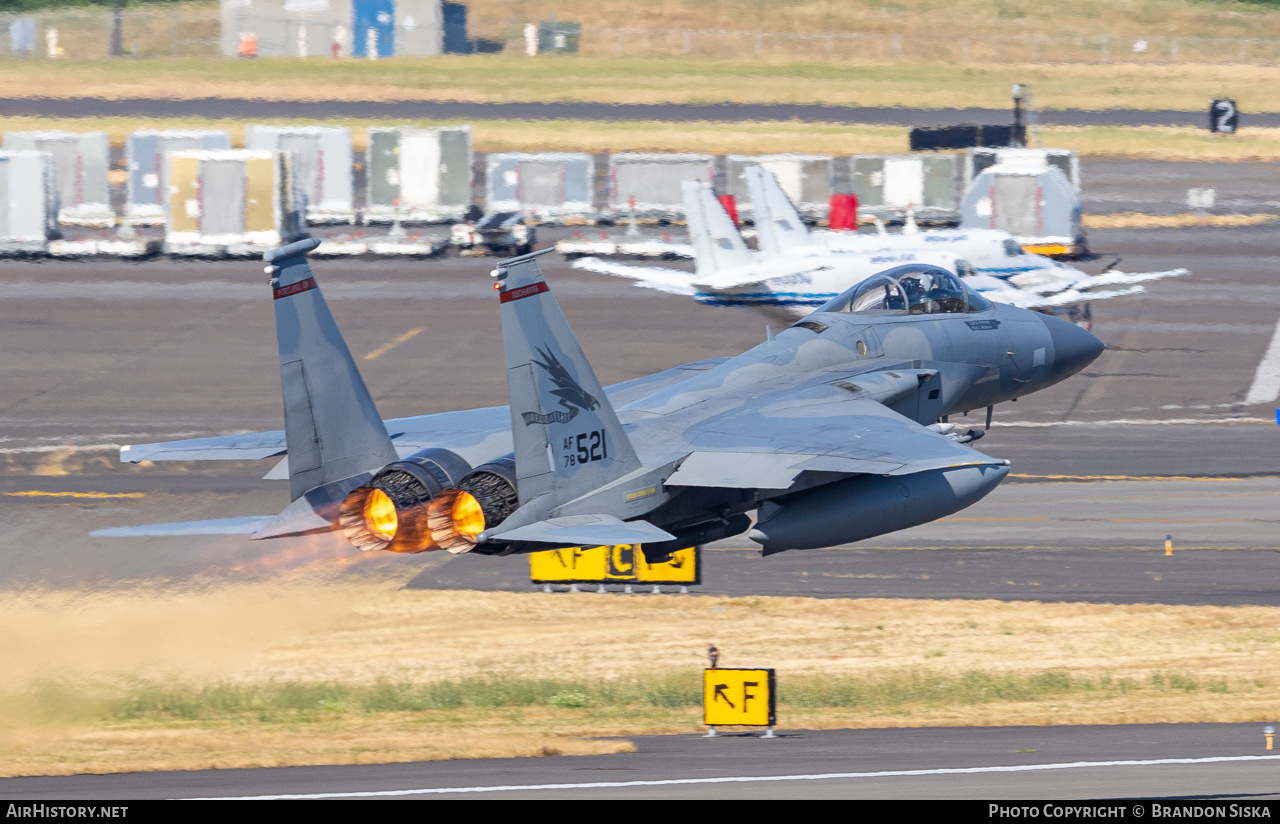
(101, 354)
(1223, 763)
(1160, 186)
(226, 107)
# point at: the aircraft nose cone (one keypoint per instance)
(1074, 347)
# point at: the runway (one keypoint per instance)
(1222, 763)
(102, 354)
(240, 108)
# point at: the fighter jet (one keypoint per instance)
(835, 430)
(795, 271)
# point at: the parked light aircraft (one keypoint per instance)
(795, 271)
(832, 431)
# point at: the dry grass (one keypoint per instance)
(1139, 18)
(853, 82)
(70, 660)
(1137, 220)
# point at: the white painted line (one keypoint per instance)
(750, 779)
(1266, 381)
(1128, 422)
(95, 447)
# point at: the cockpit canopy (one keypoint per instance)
(914, 289)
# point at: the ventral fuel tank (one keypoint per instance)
(869, 505)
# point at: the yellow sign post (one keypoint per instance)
(739, 698)
(620, 564)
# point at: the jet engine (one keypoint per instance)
(481, 500)
(865, 506)
(390, 512)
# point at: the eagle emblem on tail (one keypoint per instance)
(572, 396)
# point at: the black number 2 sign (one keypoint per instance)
(1224, 117)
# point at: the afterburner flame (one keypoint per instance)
(455, 520)
(468, 517)
(380, 515)
(371, 520)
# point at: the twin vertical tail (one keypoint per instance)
(332, 427)
(778, 225)
(567, 438)
(716, 242)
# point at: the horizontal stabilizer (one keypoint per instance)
(251, 446)
(218, 526)
(587, 530)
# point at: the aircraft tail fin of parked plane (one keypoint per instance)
(717, 244)
(778, 225)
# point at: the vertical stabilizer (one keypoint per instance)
(716, 242)
(778, 225)
(567, 438)
(332, 428)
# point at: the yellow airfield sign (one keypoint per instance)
(623, 564)
(738, 697)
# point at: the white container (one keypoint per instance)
(417, 174)
(229, 198)
(544, 185)
(1030, 200)
(321, 167)
(891, 186)
(649, 184)
(145, 152)
(806, 180)
(80, 161)
(28, 201)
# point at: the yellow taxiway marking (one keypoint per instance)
(1201, 479)
(387, 347)
(38, 494)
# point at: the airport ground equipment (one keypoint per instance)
(623, 564)
(648, 185)
(733, 697)
(890, 187)
(1029, 199)
(28, 202)
(976, 161)
(321, 166)
(833, 431)
(80, 161)
(145, 152)
(229, 201)
(942, 138)
(420, 175)
(315, 28)
(499, 233)
(807, 180)
(547, 186)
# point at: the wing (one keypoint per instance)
(770, 441)
(464, 431)
(1037, 291)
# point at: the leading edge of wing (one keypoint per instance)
(847, 437)
(448, 430)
